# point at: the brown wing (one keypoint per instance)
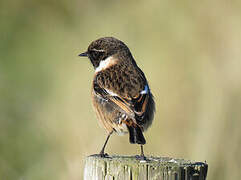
(134, 107)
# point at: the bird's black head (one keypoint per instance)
(103, 48)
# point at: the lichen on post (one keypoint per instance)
(132, 168)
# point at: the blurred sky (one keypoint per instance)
(189, 51)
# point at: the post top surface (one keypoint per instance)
(150, 160)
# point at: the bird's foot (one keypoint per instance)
(141, 157)
(102, 155)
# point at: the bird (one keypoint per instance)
(121, 96)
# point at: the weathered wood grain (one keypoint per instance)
(154, 168)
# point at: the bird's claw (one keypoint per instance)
(103, 155)
(141, 157)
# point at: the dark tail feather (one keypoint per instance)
(136, 136)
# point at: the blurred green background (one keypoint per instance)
(189, 51)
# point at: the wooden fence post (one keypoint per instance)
(154, 168)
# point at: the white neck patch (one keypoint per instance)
(106, 63)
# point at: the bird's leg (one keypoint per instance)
(142, 156)
(102, 152)
(142, 151)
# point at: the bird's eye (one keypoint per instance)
(96, 54)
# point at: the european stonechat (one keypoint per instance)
(121, 95)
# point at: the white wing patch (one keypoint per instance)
(106, 63)
(146, 90)
(111, 93)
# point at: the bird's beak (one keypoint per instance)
(85, 54)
